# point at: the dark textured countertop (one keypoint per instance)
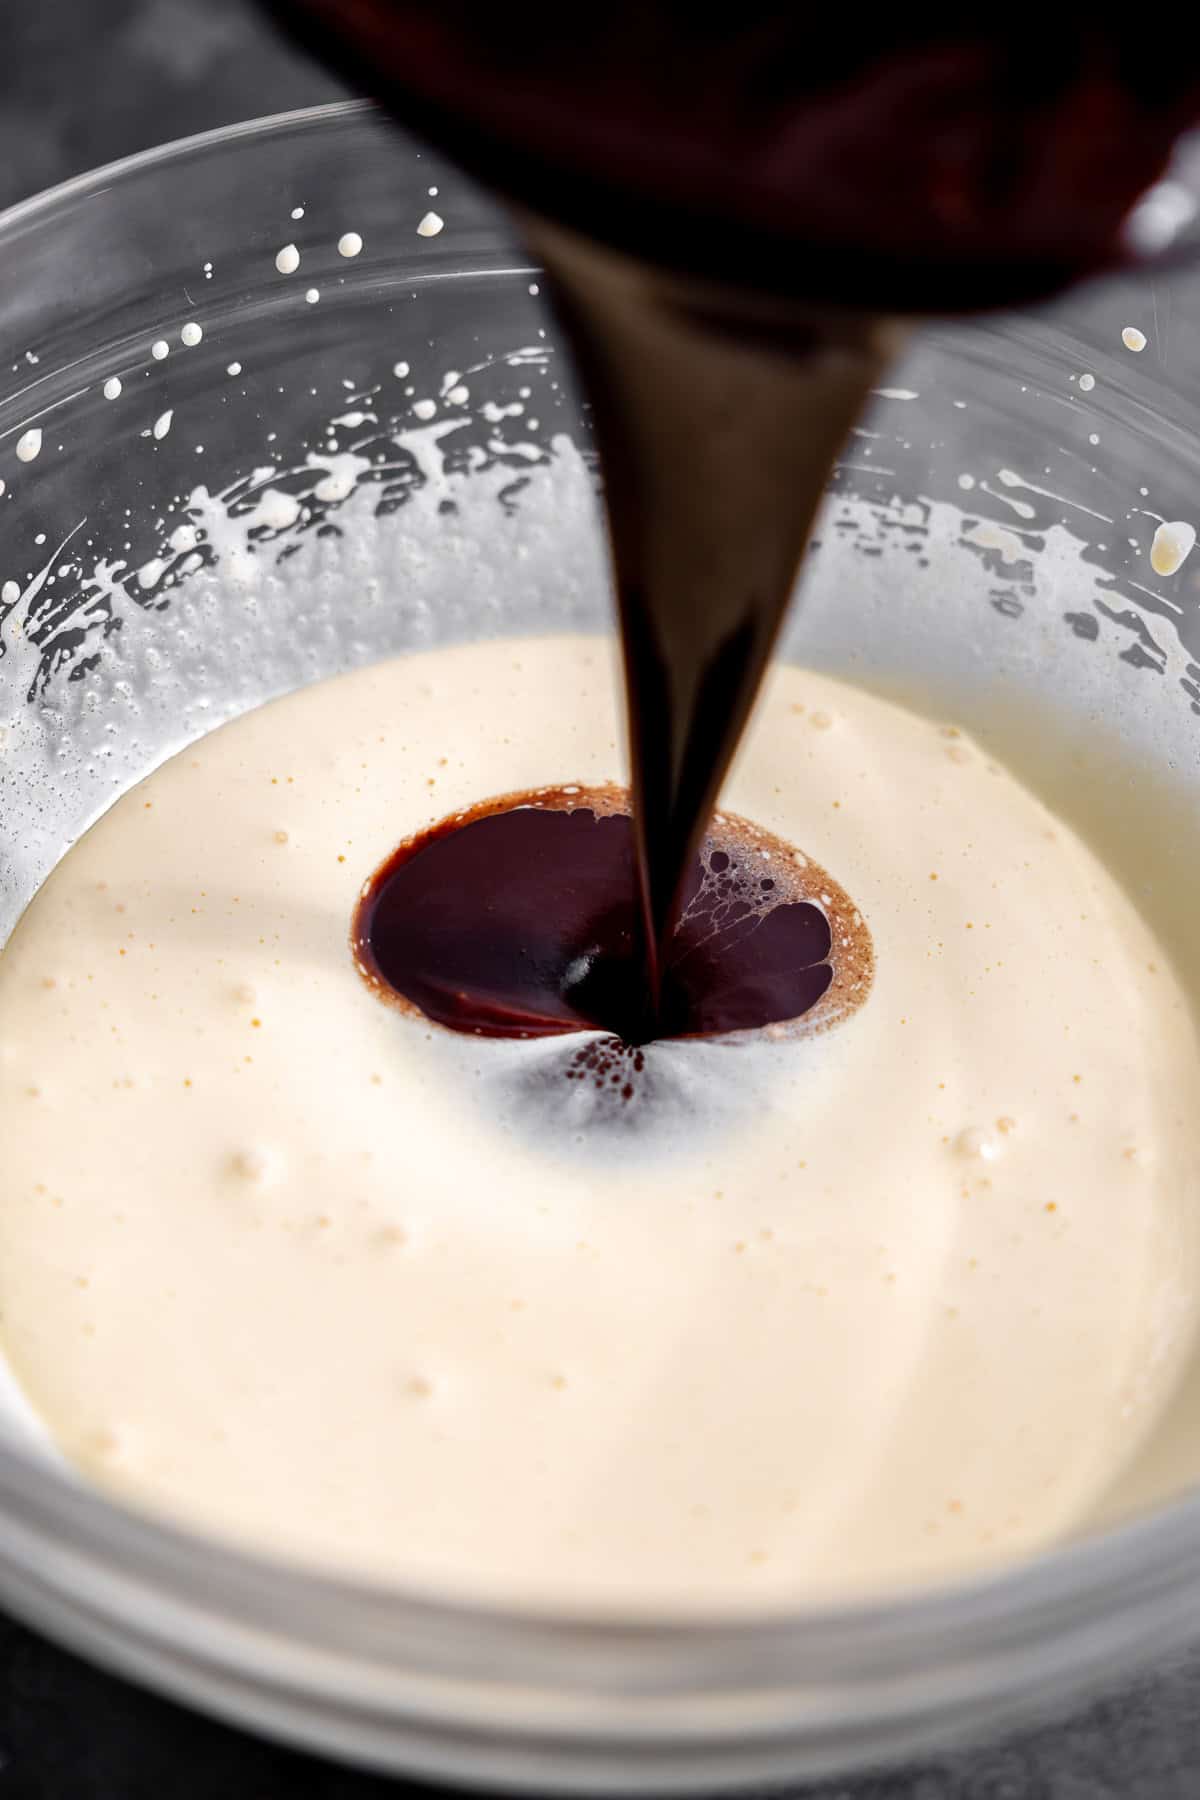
(82, 82)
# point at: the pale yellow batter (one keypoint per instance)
(883, 1304)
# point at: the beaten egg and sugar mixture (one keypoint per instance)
(889, 1302)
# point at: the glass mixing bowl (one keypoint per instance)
(386, 449)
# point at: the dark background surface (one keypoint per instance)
(82, 82)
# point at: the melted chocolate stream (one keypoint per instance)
(716, 432)
(717, 424)
(718, 420)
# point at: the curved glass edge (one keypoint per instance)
(94, 181)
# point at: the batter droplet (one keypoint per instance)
(257, 1164)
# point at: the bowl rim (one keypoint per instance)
(1032, 1610)
(91, 182)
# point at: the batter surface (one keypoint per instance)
(881, 1303)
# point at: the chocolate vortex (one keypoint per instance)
(518, 918)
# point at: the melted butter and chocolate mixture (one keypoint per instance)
(520, 919)
(528, 921)
(733, 212)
